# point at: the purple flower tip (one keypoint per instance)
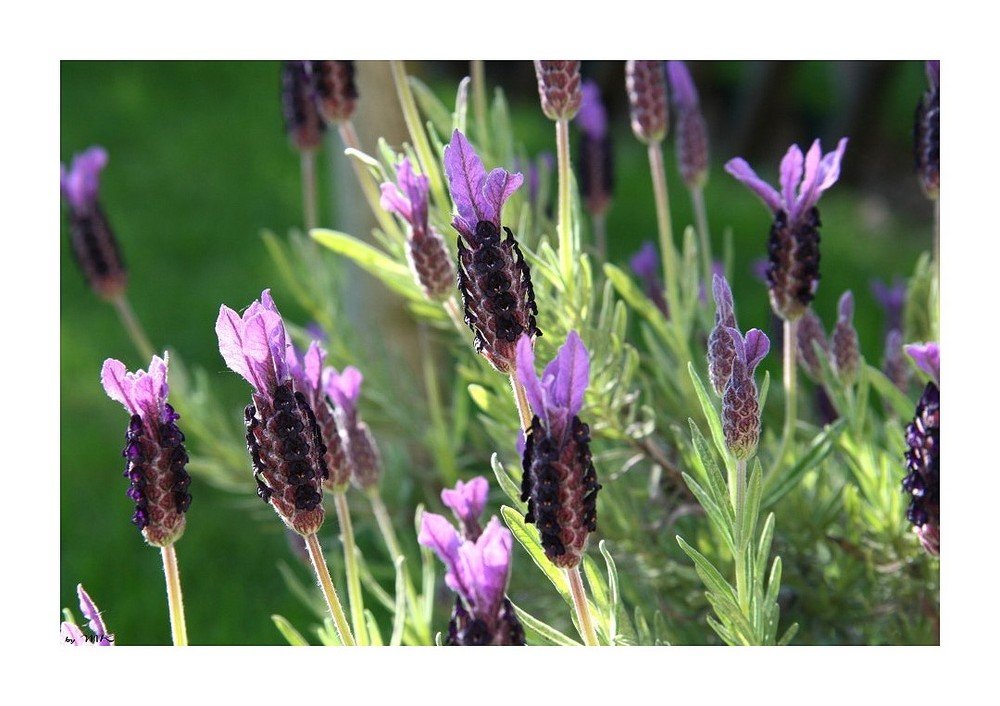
(478, 196)
(79, 184)
(143, 393)
(927, 356)
(646, 262)
(845, 308)
(684, 93)
(891, 298)
(343, 388)
(73, 635)
(409, 198)
(592, 118)
(558, 396)
(255, 344)
(752, 348)
(723, 295)
(467, 500)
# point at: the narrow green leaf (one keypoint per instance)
(615, 599)
(900, 403)
(288, 631)
(431, 106)
(481, 396)
(528, 538)
(327, 634)
(789, 634)
(394, 275)
(374, 636)
(543, 631)
(636, 299)
(711, 416)
(713, 474)
(279, 254)
(507, 483)
(781, 482)
(723, 632)
(729, 613)
(751, 508)
(715, 515)
(765, 387)
(399, 614)
(710, 576)
(773, 582)
(766, 536)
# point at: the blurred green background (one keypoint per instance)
(199, 165)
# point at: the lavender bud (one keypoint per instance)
(337, 463)
(559, 88)
(923, 463)
(721, 348)
(844, 342)
(894, 364)
(334, 89)
(740, 407)
(303, 123)
(809, 331)
(927, 134)
(690, 129)
(363, 455)
(646, 84)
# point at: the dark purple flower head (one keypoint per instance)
(333, 89)
(593, 117)
(467, 501)
(740, 407)
(558, 88)
(155, 457)
(927, 134)
(493, 277)
(303, 123)
(478, 571)
(800, 190)
(691, 131)
(844, 341)
(478, 196)
(72, 634)
(927, 356)
(721, 348)
(558, 396)
(559, 482)
(426, 252)
(283, 437)
(923, 464)
(892, 299)
(646, 85)
(793, 245)
(81, 182)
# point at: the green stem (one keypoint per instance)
(428, 162)
(441, 446)
(308, 161)
(420, 619)
(479, 105)
(701, 220)
(587, 631)
(565, 227)
(329, 592)
(790, 377)
(351, 567)
(132, 326)
(741, 542)
(175, 599)
(371, 192)
(667, 251)
(523, 409)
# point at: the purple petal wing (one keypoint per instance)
(845, 307)
(229, 329)
(825, 176)
(528, 378)
(592, 118)
(115, 379)
(493, 547)
(392, 200)
(927, 356)
(81, 183)
(440, 535)
(313, 372)
(681, 85)
(646, 262)
(756, 346)
(466, 176)
(500, 185)
(791, 176)
(739, 168)
(467, 500)
(738, 342)
(93, 615)
(73, 635)
(571, 375)
(723, 301)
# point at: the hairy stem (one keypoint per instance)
(351, 567)
(132, 326)
(587, 631)
(667, 251)
(565, 227)
(523, 408)
(175, 599)
(308, 160)
(701, 220)
(329, 592)
(790, 378)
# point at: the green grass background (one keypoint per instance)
(199, 164)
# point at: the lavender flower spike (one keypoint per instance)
(467, 501)
(690, 129)
(478, 571)
(333, 89)
(927, 134)
(363, 456)
(430, 261)
(154, 450)
(559, 482)
(646, 85)
(283, 438)
(740, 407)
(558, 88)
(793, 246)
(923, 455)
(73, 635)
(95, 247)
(303, 123)
(493, 277)
(721, 348)
(844, 341)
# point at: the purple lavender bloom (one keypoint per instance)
(721, 347)
(927, 356)
(467, 501)
(892, 299)
(363, 457)
(493, 277)
(283, 437)
(558, 88)
(155, 457)
(478, 571)
(95, 247)
(595, 164)
(927, 134)
(844, 341)
(71, 632)
(646, 266)
(691, 131)
(428, 256)
(559, 482)
(740, 407)
(646, 85)
(794, 239)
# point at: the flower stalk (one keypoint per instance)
(329, 592)
(581, 606)
(567, 247)
(351, 567)
(132, 326)
(175, 598)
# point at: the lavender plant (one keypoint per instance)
(657, 511)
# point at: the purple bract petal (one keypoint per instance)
(440, 535)
(737, 337)
(791, 171)
(724, 308)
(592, 118)
(81, 182)
(477, 196)
(528, 378)
(93, 616)
(566, 378)
(486, 565)
(343, 388)
(73, 635)
(394, 201)
(756, 345)
(255, 345)
(845, 307)
(820, 175)
(739, 168)
(467, 500)
(682, 88)
(927, 356)
(143, 393)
